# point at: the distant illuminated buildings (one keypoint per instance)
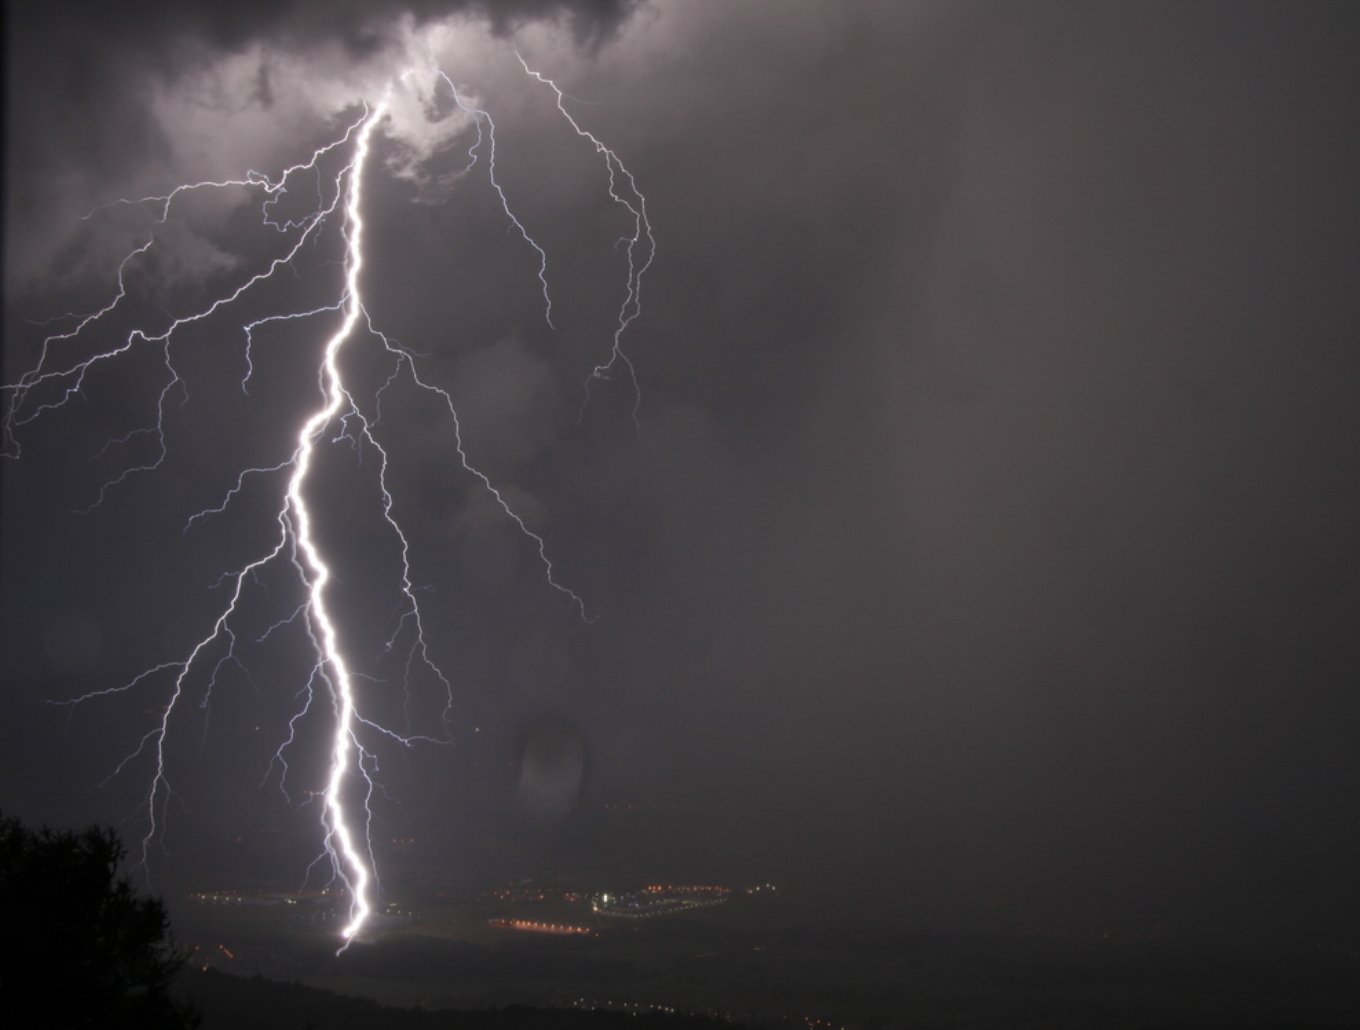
(650, 902)
(533, 927)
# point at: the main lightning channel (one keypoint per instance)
(350, 863)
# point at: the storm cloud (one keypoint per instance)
(991, 522)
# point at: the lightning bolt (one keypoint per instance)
(350, 864)
(62, 371)
(640, 248)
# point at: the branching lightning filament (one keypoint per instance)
(295, 546)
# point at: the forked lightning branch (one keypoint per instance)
(340, 413)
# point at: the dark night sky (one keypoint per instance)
(998, 496)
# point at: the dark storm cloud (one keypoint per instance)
(995, 526)
(150, 27)
(80, 74)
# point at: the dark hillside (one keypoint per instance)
(229, 1002)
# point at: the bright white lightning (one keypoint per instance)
(349, 786)
(350, 864)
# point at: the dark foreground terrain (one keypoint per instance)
(229, 1001)
(767, 961)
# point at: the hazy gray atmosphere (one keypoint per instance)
(988, 528)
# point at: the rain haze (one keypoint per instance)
(969, 523)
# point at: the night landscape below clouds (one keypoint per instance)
(963, 528)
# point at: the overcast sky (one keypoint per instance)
(993, 504)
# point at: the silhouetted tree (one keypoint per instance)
(80, 947)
